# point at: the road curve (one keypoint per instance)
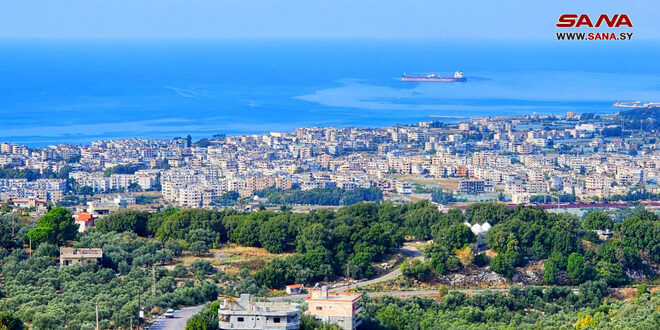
(408, 250)
(183, 315)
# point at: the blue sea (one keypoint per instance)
(62, 91)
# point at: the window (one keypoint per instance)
(240, 319)
(319, 308)
(276, 320)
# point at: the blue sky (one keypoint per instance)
(464, 19)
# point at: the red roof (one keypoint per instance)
(85, 217)
(294, 286)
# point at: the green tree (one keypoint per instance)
(576, 268)
(311, 237)
(208, 237)
(438, 255)
(198, 323)
(201, 267)
(57, 226)
(481, 260)
(564, 241)
(176, 224)
(9, 322)
(199, 248)
(441, 197)
(597, 220)
(309, 322)
(274, 234)
(550, 271)
(206, 319)
(360, 265)
(503, 264)
(613, 274)
(124, 220)
(9, 223)
(492, 213)
(274, 274)
(419, 221)
(642, 289)
(455, 236)
(175, 247)
(246, 232)
(393, 317)
(416, 269)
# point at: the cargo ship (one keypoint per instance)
(458, 77)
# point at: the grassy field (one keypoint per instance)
(447, 184)
(233, 257)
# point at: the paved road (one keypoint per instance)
(408, 250)
(411, 251)
(402, 293)
(181, 316)
(426, 292)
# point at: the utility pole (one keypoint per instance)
(131, 323)
(97, 315)
(30, 246)
(153, 285)
(139, 308)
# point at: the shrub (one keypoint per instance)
(416, 269)
(481, 260)
(503, 265)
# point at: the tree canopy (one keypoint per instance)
(57, 226)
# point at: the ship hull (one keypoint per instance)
(434, 79)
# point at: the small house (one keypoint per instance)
(71, 256)
(294, 289)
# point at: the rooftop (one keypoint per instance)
(245, 305)
(70, 252)
(323, 294)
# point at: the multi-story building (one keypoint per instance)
(510, 157)
(471, 187)
(72, 256)
(243, 313)
(339, 308)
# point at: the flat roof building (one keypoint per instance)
(243, 313)
(471, 187)
(339, 308)
(72, 256)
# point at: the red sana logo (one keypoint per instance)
(575, 20)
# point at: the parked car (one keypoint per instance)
(169, 313)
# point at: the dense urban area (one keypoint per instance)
(539, 221)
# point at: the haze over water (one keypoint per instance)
(78, 91)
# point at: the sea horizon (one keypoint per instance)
(77, 91)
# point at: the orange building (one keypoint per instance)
(462, 172)
(84, 220)
(339, 308)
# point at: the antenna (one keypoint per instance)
(97, 315)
